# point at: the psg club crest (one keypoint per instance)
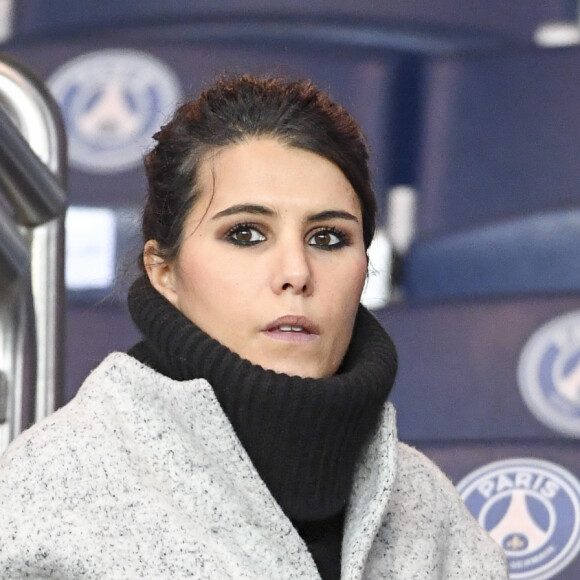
(112, 102)
(549, 374)
(531, 508)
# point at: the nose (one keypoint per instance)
(292, 270)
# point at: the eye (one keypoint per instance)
(328, 239)
(245, 235)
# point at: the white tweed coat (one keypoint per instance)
(141, 476)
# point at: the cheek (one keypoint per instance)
(194, 280)
(355, 282)
(344, 291)
(215, 284)
(352, 294)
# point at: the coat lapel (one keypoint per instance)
(372, 487)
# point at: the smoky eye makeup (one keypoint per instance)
(328, 238)
(245, 234)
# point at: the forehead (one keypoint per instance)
(269, 172)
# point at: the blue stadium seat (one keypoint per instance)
(535, 254)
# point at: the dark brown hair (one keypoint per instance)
(235, 109)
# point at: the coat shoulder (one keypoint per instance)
(428, 532)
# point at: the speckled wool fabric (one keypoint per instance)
(141, 476)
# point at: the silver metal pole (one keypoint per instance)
(32, 167)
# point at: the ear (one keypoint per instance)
(161, 273)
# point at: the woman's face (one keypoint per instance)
(272, 262)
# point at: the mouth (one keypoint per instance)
(292, 329)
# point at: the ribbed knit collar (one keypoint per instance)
(303, 435)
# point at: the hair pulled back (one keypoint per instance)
(236, 109)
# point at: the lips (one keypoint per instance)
(292, 329)
(292, 324)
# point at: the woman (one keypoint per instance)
(248, 434)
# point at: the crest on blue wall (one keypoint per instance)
(549, 374)
(112, 102)
(531, 508)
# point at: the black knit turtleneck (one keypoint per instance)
(303, 435)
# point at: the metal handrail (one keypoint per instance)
(32, 205)
(28, 184)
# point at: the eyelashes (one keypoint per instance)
(326, 238)
(245, 235)
(329, 238)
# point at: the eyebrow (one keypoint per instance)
(262, 210)
(332, 214)
(243, 208)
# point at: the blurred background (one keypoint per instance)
(472, 112)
